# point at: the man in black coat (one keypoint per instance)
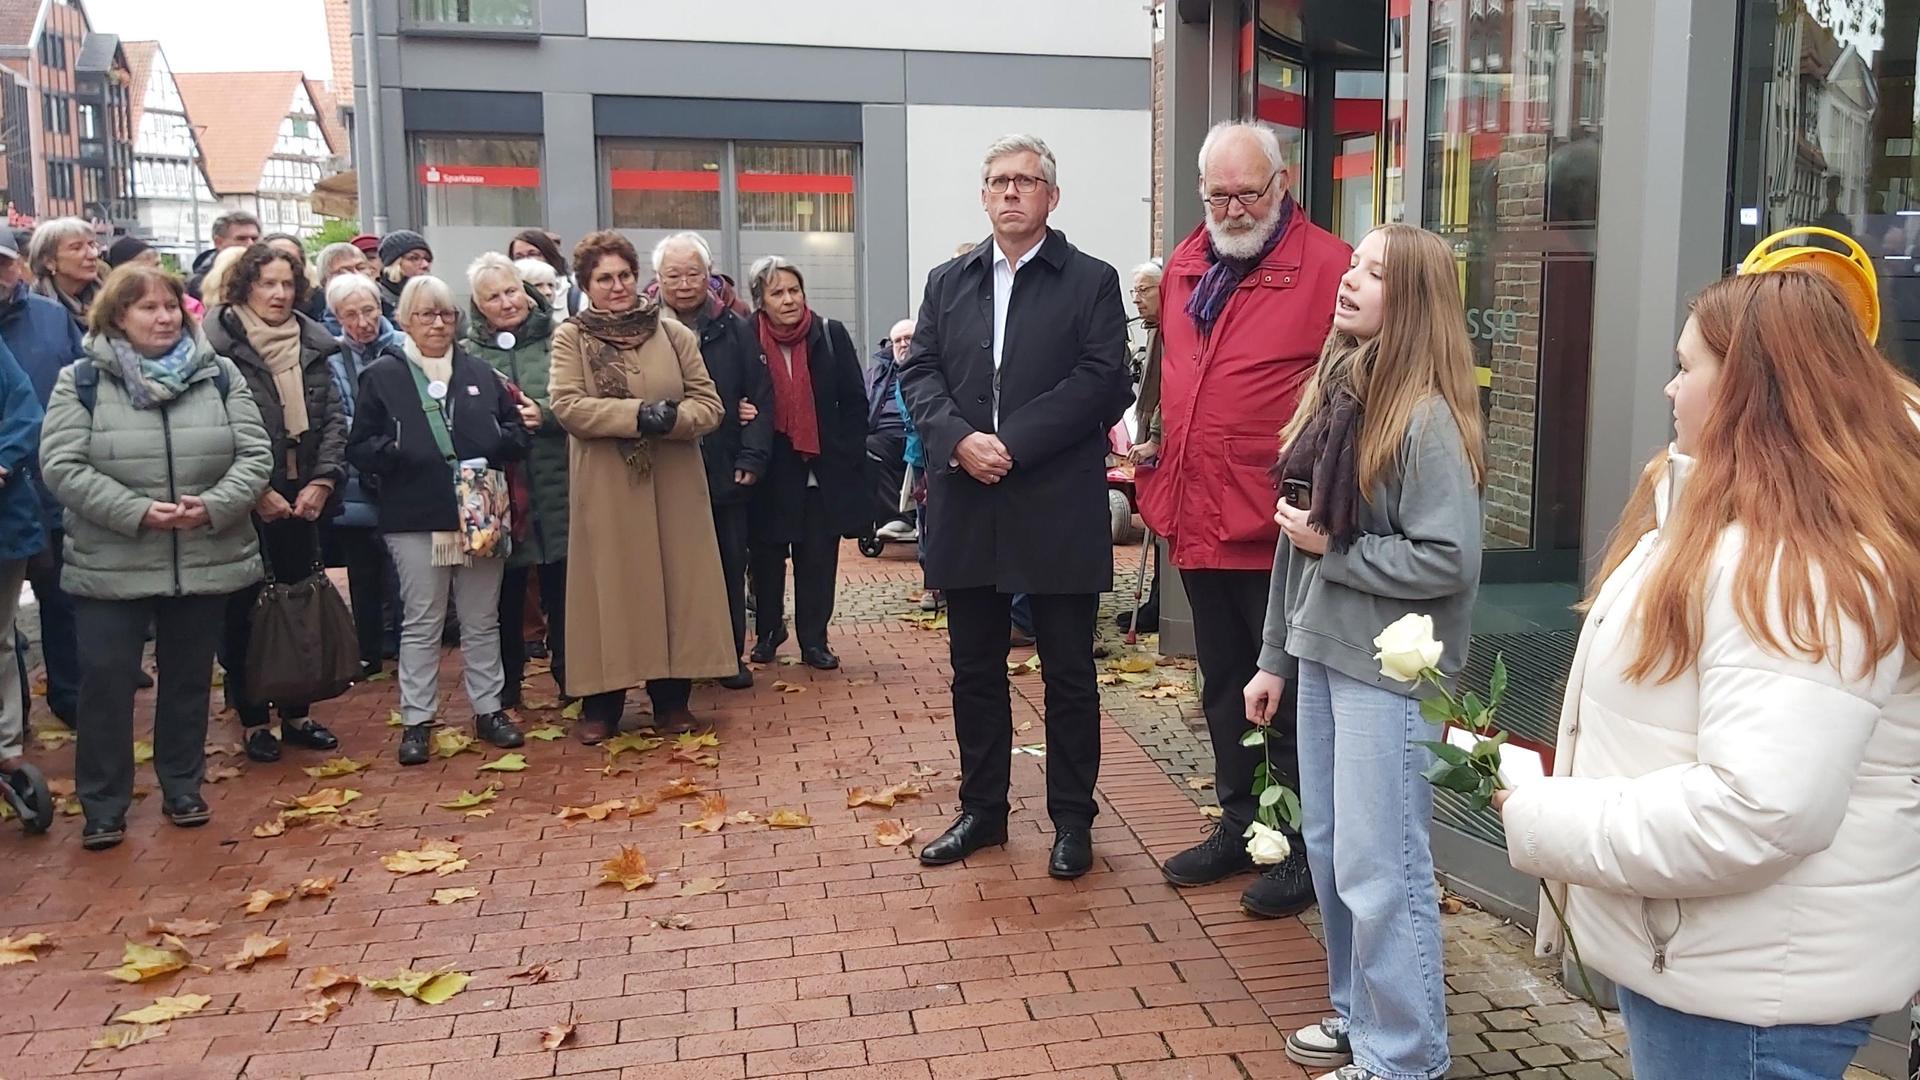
(1017, 371)
(737, 452)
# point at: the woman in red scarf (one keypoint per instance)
(814, 492)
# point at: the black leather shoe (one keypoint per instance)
(307, 735)
(739, 680)
(1149, 620)
(144, 681)
(262, 746)
(1220, 856)
(416, 744)
(767, 646)
(187, 811)
(1072, 854)
(969, 833)
(101, 835)
(676, 722)
(537, 650)
(499, 729)
(1285, 888)
(819, 657)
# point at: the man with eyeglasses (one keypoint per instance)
(1245, 305)
(1017, 370)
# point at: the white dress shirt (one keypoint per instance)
(1004, 270)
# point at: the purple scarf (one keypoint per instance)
(1216, 286)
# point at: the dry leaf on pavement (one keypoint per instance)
(260, 900)
(453, 896)
(1210, 811)
(1023, 727)
(20, 950)
(688, 740)
(1134, 664)
(223, 772)
(1199, 783)
(142, 751)
(164, 1009)
(693, 755)
(450, 741)
(122, 1037)
(573, 709)
(53, 738)
(365, 819)
(553, 1038)
(628, 869)
(266, 830)
(320, 1009)
(394, 719)
(533, 973)
(185, 928)
(506, 763)
(466, 800)
(483, 812)
(925, 771)
(860, 796)
(596, 812)
(788, 819)
(629, 741)
(440, 856)
(326, 978)
(429, 987)
(744, 817)
(326, 798)
(642, 804)
(256, 947)
(780, 687)
(340, 766)
(315, 886)
(139, 963)
(713, 814)
(673, 922)
(680, 787)
(547, 733)
(892, 832)
(701, 887)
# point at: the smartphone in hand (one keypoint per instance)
(1298, 493)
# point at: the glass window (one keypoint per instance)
(1825, 116)
(798, 201)
(479, 180)
(665, 185)
(478, 14)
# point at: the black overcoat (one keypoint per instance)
(778, 510)
(731, 350)
(1062, 384)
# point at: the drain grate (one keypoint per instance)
(1537, 667)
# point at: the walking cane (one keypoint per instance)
(1139, 589)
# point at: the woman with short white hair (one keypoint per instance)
(424, 410)
(351, 538)
(333, 260)
(65, 257)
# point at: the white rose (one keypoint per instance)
(1407, 648)
(1266, 846)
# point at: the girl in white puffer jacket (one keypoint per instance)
(1734, 819)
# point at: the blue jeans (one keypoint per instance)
(1366, 812)
(1671, 1045)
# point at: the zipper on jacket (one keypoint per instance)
(1659, 942)
(173, 495)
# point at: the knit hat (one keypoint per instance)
(125, 250)
(401, 241)
(368, 243)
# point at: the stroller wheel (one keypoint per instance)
(872, 546)
(26, 789)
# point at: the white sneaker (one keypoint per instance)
(1324, 1044)
(899, 531)
(1349, 1072)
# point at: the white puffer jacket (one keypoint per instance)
(1742, 842)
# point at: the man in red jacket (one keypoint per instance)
(1245, 305)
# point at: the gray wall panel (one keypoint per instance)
(886, 293)
(480, 112)
(707, 118)
(1065, 82)
(568, 17)
(398, 176)
(572, 193)
(654, 68)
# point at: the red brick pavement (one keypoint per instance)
(825, 954)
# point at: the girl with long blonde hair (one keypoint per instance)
(1734, 822)
(1381, 471)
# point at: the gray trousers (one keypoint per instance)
(13, 707)
(424, 588)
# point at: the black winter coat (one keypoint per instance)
(778, 513)
(731, 350)
(393, 447)
(1062, 384)
(322, 451)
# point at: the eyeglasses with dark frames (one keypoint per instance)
(1025, 185)
(1219, 200)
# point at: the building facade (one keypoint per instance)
(267, 140)
(173, 203)
(68, 99)
(848, 141)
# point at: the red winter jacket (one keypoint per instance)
(1224, 398)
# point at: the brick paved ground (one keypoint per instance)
(824, 954)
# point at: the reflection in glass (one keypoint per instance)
(798, 201)
(502, 187)
(663, 185)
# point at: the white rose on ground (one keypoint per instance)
(1407, 648)
(1265, 846)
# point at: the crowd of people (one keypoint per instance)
(629, 451)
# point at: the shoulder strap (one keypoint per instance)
(435, 410)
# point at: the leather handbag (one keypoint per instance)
(301, 647)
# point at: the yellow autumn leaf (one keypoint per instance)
(326, 977)
(256, 947)
(430, 987)
(315, 886)
(1135, 664)
(142, 751)
(553, 1038)
(744, 817)
(673, 922)
(506, 763)
(366, 819)
(21, 950)
(269, 829)
(629, 741)
(164, 1009)
(642, 804)
(320, 1009)
(688, 740)
(326, 799)
(468, 799)
(260, 900)
(185, 928)
(483, 812)
(547, 733)
(781, 687)
(680, 787)
(713, 814)
(223, 772)
(596, 812)
(340, 766)
(139, 963)
(860, 796)
(450, 741)
(453, 896)
(440, 856)
(54, 738)
(394, 719)
(1199, 783)
(700, 887)
(892, 832)
(628, 870)
(1213, 812)
(121, 1038)
(788, 819)
(572, 711)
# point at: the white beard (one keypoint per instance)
(1245, 242)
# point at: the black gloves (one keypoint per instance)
(657, 418)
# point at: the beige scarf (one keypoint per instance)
(279, 347)
(448, 549)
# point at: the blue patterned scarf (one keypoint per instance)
(1216, 286)
(154, 381)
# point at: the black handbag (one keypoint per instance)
(301, 647)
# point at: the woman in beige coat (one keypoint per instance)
(646, 599)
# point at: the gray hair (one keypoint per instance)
(422, 290)
(1150, 270)
(1009, 145)
(1263, 136)
(687, 240)
(536, 271)
(48, 238)
(345, 287)
(488, 264)
(908, 323)
(762, 276)
(327, 263)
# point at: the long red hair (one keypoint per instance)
(1810, 445)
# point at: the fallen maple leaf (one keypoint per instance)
(340, 766)
(506, 763)
(628, 870)
(553, 1038)
(533, 973)
(139, 963)
(572, 711)
(547, 733)
(164, 1009)
(744, 817)
(224, 772)
(673, 922)
(142, 751)
(1199, 783)
(260, 900)
(365, 819)
(1213, 812)
(453, 896)
(924, 771)
(468, 799)
(892, 832)
(642, 804)
(315, 886)
(256, 947)
(1023, 727)
(123, 1037)
(326, 799)
(688, 740)
(185, 928)
(713, 814)
(483, 812)
(596, 812)
(694, 755)
(780, 687)
(860, 796)
(326, 978)
(1135, 664)
(680, 787)
(428, 987)
(394, 719)
(440, 856)
(320, 1009)
(20, 950)
(701, 887)
(450, 741)
(54, 738)
(268, 829)
(789, 819)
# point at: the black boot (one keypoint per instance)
(1284, 889)
(1217, 858)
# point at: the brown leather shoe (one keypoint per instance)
(594, 732)
(677, 722)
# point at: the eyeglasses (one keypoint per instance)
(1025, 185)
(681, 279)
(1246, 199)
(436, 315)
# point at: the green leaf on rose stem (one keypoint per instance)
(1483, 795)
(1461, 778)
(1261, 776)
(1290, 808)
(1497, 686)
(1254, 737)
(1475, 709)
(1446, 752)
(1270, 795)
(1488, 749)
(1267, 816)
(1436, 710)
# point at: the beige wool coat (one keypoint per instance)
(646, 598)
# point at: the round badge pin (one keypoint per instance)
(437, 390)
(505, 339)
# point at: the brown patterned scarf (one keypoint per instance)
(609, 336)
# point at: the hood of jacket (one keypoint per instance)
(537, 327)
(228, 338)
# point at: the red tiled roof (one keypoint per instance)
(17, 20)
(340, 50)
(329, 110)
(238, 114)
(140, 56)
